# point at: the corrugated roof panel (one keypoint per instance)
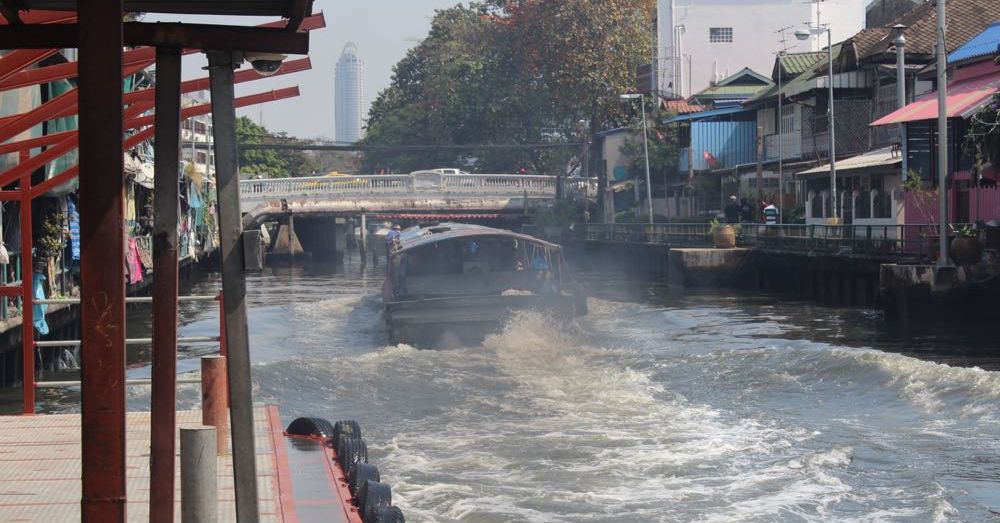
(985, 43)
(798, 63)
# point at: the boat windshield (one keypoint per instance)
(477, 265)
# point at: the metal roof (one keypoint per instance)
(706, 114)
(985, 43)
(798, 63)
(197, 7)
(878, 158)
(414, 237)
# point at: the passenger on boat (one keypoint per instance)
(391, 237)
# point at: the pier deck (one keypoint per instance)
(40, 470)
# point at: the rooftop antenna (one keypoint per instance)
(782, 39)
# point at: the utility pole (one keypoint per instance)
(901, 91)
(780, 121)
(942, 81)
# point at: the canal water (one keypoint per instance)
(705, 407)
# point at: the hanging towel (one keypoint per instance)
(74, 230)
(134, 266)
(38, 284)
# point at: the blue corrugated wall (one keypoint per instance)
(732, 143)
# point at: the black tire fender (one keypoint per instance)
(311, 427)
(389, 515)
(374, 497)
(347, 427)
(359, 474)
(350, 452)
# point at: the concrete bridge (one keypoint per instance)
(420, 192)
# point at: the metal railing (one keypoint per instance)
(31, 381)
(688, 234)
(419, 183)
(890, 242)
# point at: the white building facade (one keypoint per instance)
(349, 95)
(704, 41)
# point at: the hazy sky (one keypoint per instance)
(383, 30)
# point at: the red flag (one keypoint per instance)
(712, 162)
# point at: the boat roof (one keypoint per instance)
(414, 237)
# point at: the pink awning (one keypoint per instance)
(963, 99)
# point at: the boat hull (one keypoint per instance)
(455, 321)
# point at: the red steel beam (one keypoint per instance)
(31, 143)
(142, 55)
(130, 142)
(28, 166)
(55, 107)
(206, 108)
(36, 16)
(18, 59)
(244, 75)
(102, 262)
(51, 73)
(27, 307)
(57, 180)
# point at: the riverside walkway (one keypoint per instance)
(40, 471)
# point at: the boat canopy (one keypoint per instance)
(414, 237)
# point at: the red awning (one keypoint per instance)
(964, 98)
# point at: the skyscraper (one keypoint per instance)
(349, 95)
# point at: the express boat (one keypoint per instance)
(455, 282)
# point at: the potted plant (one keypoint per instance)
(723, 234)
(965, 248)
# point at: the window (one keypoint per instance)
(720, 35)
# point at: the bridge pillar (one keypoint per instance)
(286, 243)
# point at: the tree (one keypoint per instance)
(983, 138)
(510, 72)
(270, 163)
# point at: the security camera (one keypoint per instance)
(265, 64)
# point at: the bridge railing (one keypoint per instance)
(499, 184)
(897, 242)
(290, 187)
(403, 184)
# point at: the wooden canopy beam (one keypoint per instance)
(191, 36)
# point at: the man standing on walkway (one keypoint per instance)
(732, 210)
(771, 214)
(391, 237)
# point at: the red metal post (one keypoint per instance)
(102, 269)
(165, 286)
(27, 312)
(222, 326)
(215, 399)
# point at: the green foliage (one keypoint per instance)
(270, 163)
(510, 72)
(982, 141)
(52, 238)
(715, 224)
(661, 140)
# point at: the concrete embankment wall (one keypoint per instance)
(833, 280)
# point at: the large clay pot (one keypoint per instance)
(725, 237)
(965, 250)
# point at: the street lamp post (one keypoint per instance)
(900, 43)
(804, 34)
(645, 150)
